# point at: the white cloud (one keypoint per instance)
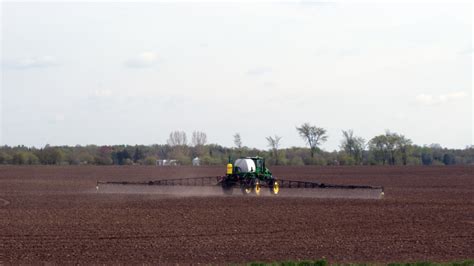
(146, 59)
(32, 62)
(428, 99)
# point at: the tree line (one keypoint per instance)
(389, 148)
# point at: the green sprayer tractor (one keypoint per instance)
(250, 176)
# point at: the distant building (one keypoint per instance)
(196, 161)
(166, 162)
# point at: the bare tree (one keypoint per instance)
(313, 136)
(274, 144)
(177, 138)
(199, 138)
(352, 145)
(238, 141)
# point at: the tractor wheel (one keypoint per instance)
(246, 188)
(275, 187)
(257, 187)
(227, 189)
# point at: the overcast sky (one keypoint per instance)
(129, 73)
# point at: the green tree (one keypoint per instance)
(437, 152)
(85, 157)
(449, 159)
(426, 156)
(121, 156)
(379, 148)
(104, 156)
(19, 158)
(392, 139)
(32, 158)
(403, 145)
(345, 159)
(314, 136)
(150, 160)
(24, 157)
(137, 155)
(297, 161)
(51, 155)
(389, 147)
(5, 158)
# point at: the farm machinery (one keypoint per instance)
(247, 174)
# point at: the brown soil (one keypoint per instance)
(54, 214)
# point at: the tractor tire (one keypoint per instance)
(227, 188)
(246, 189)
(275, 187)
(257, 187)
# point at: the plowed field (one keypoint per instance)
(54, 214)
